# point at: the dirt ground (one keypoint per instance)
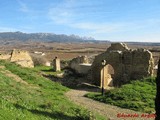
(68, 51)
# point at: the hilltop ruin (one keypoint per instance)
(122, 65)
(20, 57)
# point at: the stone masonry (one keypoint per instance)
(122, 65)
(80, 64)
(56, 64)
(22, 58)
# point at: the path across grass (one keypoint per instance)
(138, 95)
(26, 95)
(109, 111)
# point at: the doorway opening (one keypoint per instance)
(106, 75)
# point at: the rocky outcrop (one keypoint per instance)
(126, 63)
(22, 58)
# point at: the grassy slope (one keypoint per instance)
(138, 95)
(41, 99)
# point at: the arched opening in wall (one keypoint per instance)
(106, 75)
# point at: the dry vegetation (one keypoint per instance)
(67, 51)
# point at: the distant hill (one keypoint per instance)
(14, 37)
(144, 43)
(42, 37)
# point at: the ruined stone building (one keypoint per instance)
(122, 64)
(20, 57)
(5, 56)
(80, 64)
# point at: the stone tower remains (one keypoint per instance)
(57, 64)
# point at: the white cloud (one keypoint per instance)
(143, 30)
(4, 29)
(98, 28)
(23, 6)
(59, 16)
(18, 28)
(64, 14)
(61, 13)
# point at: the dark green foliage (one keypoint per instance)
(138, 95)
(157, 103)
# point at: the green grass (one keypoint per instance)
(41, 99)
(47, 70)
(139, 95)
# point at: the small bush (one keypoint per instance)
(38, 60)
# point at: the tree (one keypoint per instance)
(157, 100)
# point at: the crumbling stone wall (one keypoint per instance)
(118, 46)
(22, 58)
(56, 64)
(80, 64)
(127, 65)
(5, 56)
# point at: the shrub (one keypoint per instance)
(38, 60)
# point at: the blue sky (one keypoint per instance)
(115, 20)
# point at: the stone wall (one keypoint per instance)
(80, 64)
(83, 68)
(56, 64)
(118, 46)
(127, 65)
(5, 57)
(22, 58)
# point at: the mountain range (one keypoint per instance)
(42, 37)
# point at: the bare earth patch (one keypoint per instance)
(15, 77)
